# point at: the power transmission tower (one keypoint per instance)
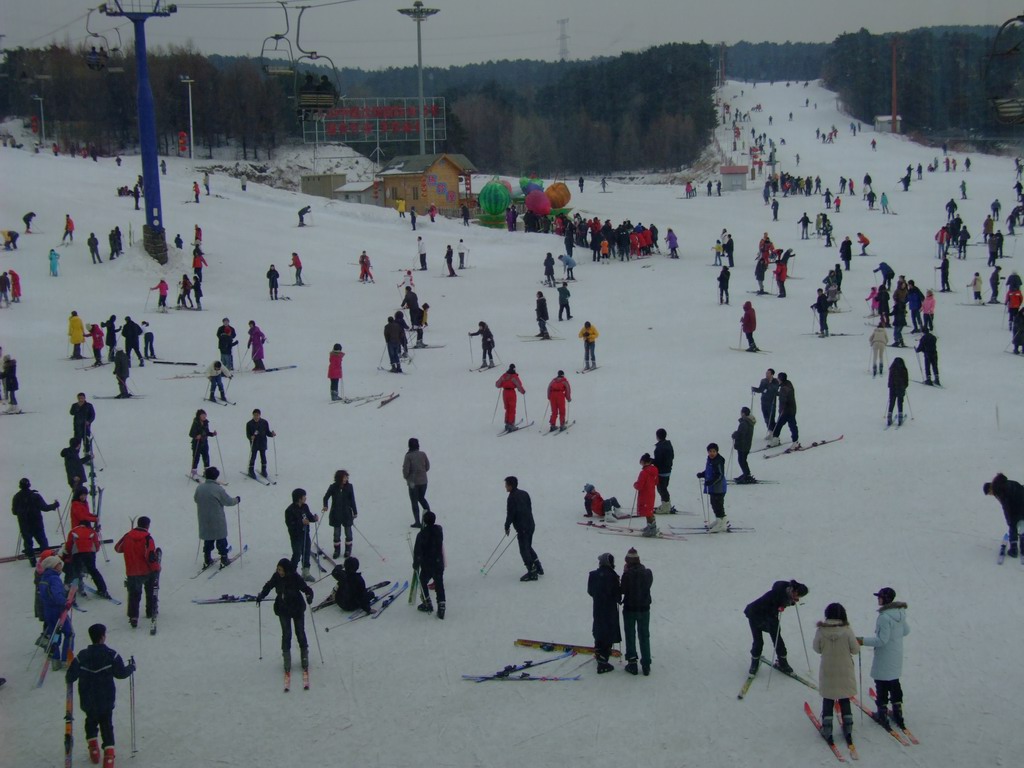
(563, 40)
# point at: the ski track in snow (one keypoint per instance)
(899, 508)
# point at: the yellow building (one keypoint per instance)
(444, 180)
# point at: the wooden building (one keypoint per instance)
(444, 180)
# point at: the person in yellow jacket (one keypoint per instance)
(589, 335)
(76, 335)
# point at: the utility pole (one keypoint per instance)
(186, 80)
(419, 14)
(563, 40)
(895, 119)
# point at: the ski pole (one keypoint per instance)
(380, 363)
(259, 618)
(18, 545)
(739, 343)
(909, 406)
(485, 572)
(316, 636)
(238, 516)
(482, 567)
(145, 307)
(917, 356)
(131, 689)
(199, 546)
(526, 411)
(728, 466)
(217, 441)
(382, 558)
(470, 340)
(273, 441)
(775, 653)
(802, 638)
(703, 507)
(496, 402)
(63, 514)
(860, 683)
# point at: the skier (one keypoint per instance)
(672, 241)
(646, 483)
(589, 335)
(636, 611)
(723, 286)
(787, 412)
(604, 588)
(215, 373)
(122, 370)
(568, 263)
(542, 315)
(509, 383)
(486, 344)
(421, 247)
(804, 222)
(351, 593)
(69, 229)
(82, 416)
(365, 275)
(94, 248)
(272, 280)
(928, 345)
(184, 294)
(820, 305)
(780, 277)
(563, 301)
(559, 393)
(428, 562)
(297, 518)
(200, 434)
(54, 263)
(878, 341)
(198, 262)
(763, 616)
(342, 497)
(334, 372)
(664, 455)
(519, 515)
(81, 546)
(742, 439)
(225, 343)
(142, 569)
(290, 609)
(9, 377)
(835, 641)
(256, 341)
(53, 599)
(95, 669)
(15, 286)
(928, 311)
(463, 251)
(257, 430)
(899, 380)
(890, 628)
(594, 505)
(148, 337)
(76, 335)
(393, 335)
(195, 190)
(769, 391)
(748, 324)
(131, 332)
(760, 270)
(975, 286)
(549, 270)
(1010, 495)
(993, 282)
(415, 466)
(296, 264)
(715, 485)
(28, 506)
(211, 498)
(303, 213)
(886, 271)
(27, 219)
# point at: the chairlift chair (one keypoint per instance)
(312, 96)
(275, 49)
(1004, 74)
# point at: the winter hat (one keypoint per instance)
(351, 564)
(606, 559)
(632, 556)
(588, 488)
(285, 564)
(24, 483)
(888, 594)
(52, 563)
(745, 411)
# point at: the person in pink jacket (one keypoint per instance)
(645, 485)
(928, 310)
(873, 299)
(96, 334)
(162, 288)
(334, 372)
(256, 341)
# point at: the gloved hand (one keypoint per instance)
(700, 475)
(238, 499)
(309, 599)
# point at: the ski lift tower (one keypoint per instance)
(138, 12)
(419, 14)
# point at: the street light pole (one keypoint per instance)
(419, 14)
(42, 119)
(188, 81)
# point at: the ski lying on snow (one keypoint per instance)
(360, 613)
(524, 678)
(640, 532)
(735, 481)
(798, 447)
(226, 599)
(703, 529)
(1002, 549)
(222, 566)
(389, 399)
(389, 600)
(746, 349)
(512, 669)
(545, 645)
(817, 724)
(591, 369)
(92, 591)
(347, 400)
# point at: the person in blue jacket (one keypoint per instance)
(715, 487)
(890, 628)
(887, 273)
(54, 599)
(915, 300)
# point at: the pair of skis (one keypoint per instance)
(523, 424)
(258, 478)
(558, 430)
(520, 672)
(750, 678)
(797, 447)
(622, 530)
(222, 566)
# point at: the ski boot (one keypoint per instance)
(530, 575)
(645, 668)
(755, 664)
(848, 729)
(664, 508)
(552, 428)
(94, 751)
(440, 610)
(888, 420)
(603, 666)
(773, 441)
(348, 549)
(783, 666)
(721, 525)
(650, 531)
(287, 656)
(307, 576)
(304, 658)
(108, 757)
(538, 567)
(826, 729)
(251, 473)
(337, 551)
(897, 714)
(426, 606)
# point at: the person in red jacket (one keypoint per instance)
(82, 544)
(645, 485)
(296, 263)
(15, 286)
(198, 262)
(69, 228)
(142, 567)
(334, 372)
(365, 275)
(96, 334)
(80, 508)
(197, 237)
(748, 324)
(559, 393)
(595, 505)
(780, 277)
(508, 383)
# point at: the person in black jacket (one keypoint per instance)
(257, 430)
(95, 670)
(1010, 495)
(723, 286)
(820, 306)
(763, 616)
(636, 611)
(226, 342)
(122, 370)
(929, 346)
(742, 439)
(542, 315)
(664, 455)
(28, 506)
(290, 609)
(787, 411)
(769, 390)
(342, 496)
(82, 416)
(351, 593)
(131, 332)
(74, 463)
(603, 587)
(899, 380)
(200, 435)
(486, 344)
(297, 518)
(519, 515)
(428, 560)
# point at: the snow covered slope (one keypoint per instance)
(900, 508)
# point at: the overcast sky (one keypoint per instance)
(372, 35)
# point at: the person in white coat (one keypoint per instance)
(890, 629)
(837, 645)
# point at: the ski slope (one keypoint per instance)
(900, 508)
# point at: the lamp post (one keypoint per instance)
(42, 119)
(186, 80)
(419, 14)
